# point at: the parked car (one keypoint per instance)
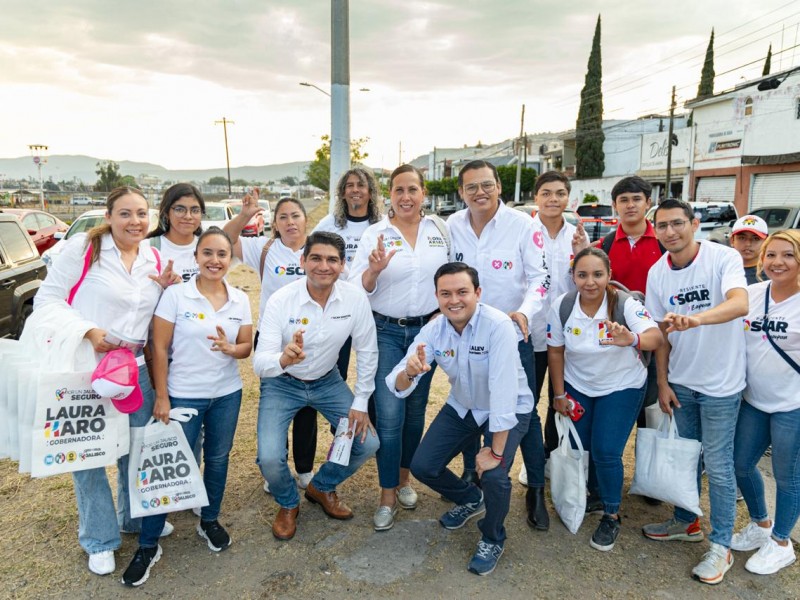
(41, 226)
(711, 215)
(532, 209)
(254, 227)
(598, 219)
(89, 219)
(21, 273)
(217, 214)
(777, 218)
(267, 214)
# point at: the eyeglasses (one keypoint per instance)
(195, 211)
(487, 186)
(677, 225)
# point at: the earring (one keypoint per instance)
(421, 212)
(390, 213)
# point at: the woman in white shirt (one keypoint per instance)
(175, 236)
(395, 264)
(117, 298)
(207, 324)
(596, 362)
(278, 263)
(770, 413)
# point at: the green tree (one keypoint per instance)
(218, 180)
(108, 176)
(289, 180)
(240, 182)
(319, 170)
(590, 199)
(589, 136)
(508, 179)
(128, 180)
(706, 87)
(768, 62)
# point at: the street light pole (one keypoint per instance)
(225, 122)
(340, 95)
(38, 150)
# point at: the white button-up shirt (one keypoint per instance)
(109, 298)
(559, 253)
(405, 287)
(482, 365)
(509, 257)
(346, 313)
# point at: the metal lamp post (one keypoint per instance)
(39, 159)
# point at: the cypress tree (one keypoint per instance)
(706, 87)
(768, 62)
(589, 136)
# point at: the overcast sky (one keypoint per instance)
(146, 80)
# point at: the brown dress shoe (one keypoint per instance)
(330, 503)
(285, 524)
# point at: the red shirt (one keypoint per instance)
(630, 264)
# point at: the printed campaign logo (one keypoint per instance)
(299, 321)
(603, 334)
(576, 331)
(746, 324)
(643, 314)
(445, 353)
(60, 458)
(142, 480)
(549, 333)
(194, 316)
(61, 393)
(389, 244)
(698, 295)
(436, 242)
(749, 220)
(290, 270)
(502, 264)
(538, 239)
(155, 502)
(49, 460)
(51, 429)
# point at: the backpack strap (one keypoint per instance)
(158, 259)
(567, 304)
(437, 220)
(155, 242)
(608, 241)
(263, 259)
(765, 329)
(87, 262)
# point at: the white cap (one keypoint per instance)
(751, 223)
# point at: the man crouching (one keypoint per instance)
(476, 345)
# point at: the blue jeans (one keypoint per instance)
(446, 437)
(604, 430)
(399, 421)
(712, 421)
(281, 398)
(755, 431)
(98, 523)
(218, 418)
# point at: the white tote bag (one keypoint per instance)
(568, 468)
(163, 475)
(666, 466)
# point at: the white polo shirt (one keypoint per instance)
(559, 255)
(109, 298)
(196, 371)
(182, 257)
(509, 257)
(347, 313)
(772, 384)
(281, 267)
(405, 287)
(352, 231)
(708, 359)
(482, 365)
(591, 368)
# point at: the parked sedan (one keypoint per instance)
(598, 219)
(41, 226)
(255, 226)
(216, 215)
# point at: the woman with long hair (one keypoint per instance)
(395, 264)
(204, 375)
(277, 261)
(770, 413)
(595, 337)
(116, 298)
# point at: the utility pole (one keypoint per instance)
(517, 185)
(37, 151)
(400, 154)
(225, 122)
(340, 95)
(668, 183)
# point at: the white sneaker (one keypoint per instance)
(167, 529)
(303, 479)
(407, 497)
(266, 486)
(715, 563)
(751, 537)
(523, 475)
(771, 558)
(198, 511)
(102, 563)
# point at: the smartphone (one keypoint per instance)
(575, 410)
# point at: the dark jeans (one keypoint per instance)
(304, 427)
(650, 392)
(448, 435)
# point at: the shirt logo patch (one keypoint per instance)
(549, 333)
(298, 320)
(194, 316)
(502, 264)
(340, 317)
(290, 270)
(538, 239)
(643, 314)
(451, 353)
(389, 244)
(436, 242)
(696, 295)
(478, 350)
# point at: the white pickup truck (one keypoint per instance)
(778, 217)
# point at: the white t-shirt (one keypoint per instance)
(772, 384)
(196, 371)
(281, 267)
(559, 255)
(405, 287)
(708, 359)
(351, 232)
(590, 367)
(182, 257)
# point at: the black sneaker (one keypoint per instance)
(218, 539)
(139, 569)
(606, 534)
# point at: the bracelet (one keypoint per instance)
(409, 377)
(635, 341)
(495, 456)
(560, 397)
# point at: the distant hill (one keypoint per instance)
(66, 167)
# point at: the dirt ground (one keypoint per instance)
(416, 559)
